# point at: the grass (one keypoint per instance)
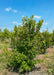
(3, 59)
(3, 62)
(4, 44)
(49, 62)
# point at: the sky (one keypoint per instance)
(12, 12)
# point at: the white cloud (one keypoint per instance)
(15, 11)
(37, 16)
(8, 9)
(45, 23)
(17, 23)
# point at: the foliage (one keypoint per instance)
(52, 38)
(5, 34)
(47, 38)
(51, 69)
(24, 43)
(3, 62)
(40, 43)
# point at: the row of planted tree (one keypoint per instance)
(27, 41)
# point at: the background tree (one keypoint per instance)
(0, 30)
(46, 36)
(6, 33)
(52, 38)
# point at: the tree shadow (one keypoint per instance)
(33, 69)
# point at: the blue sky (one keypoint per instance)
(12, 11)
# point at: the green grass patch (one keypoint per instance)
(3, 62)
(4, 45)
